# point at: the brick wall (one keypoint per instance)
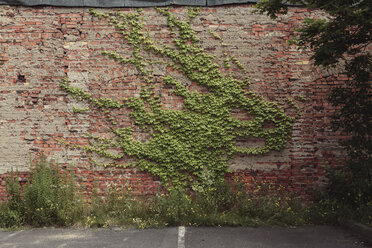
(42, 45)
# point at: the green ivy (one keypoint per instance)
(80, 110)
(194, 144)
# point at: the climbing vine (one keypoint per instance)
(192, 145)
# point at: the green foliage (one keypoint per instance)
(10, 219)
(11, 212)
(188, 145)
(49, 198)
(344, 38)
(13, 189)
(349, 197)
(79, 110)
(219, 205)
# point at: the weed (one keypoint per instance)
(221, 204)
(49, 198)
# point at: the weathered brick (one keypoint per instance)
(40, 46)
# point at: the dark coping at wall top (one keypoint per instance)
(122, 3)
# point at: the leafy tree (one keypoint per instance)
(343, 38)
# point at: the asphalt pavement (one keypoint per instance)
(184, 237)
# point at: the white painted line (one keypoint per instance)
(11, 235)
(14, 234)
(181, 237)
